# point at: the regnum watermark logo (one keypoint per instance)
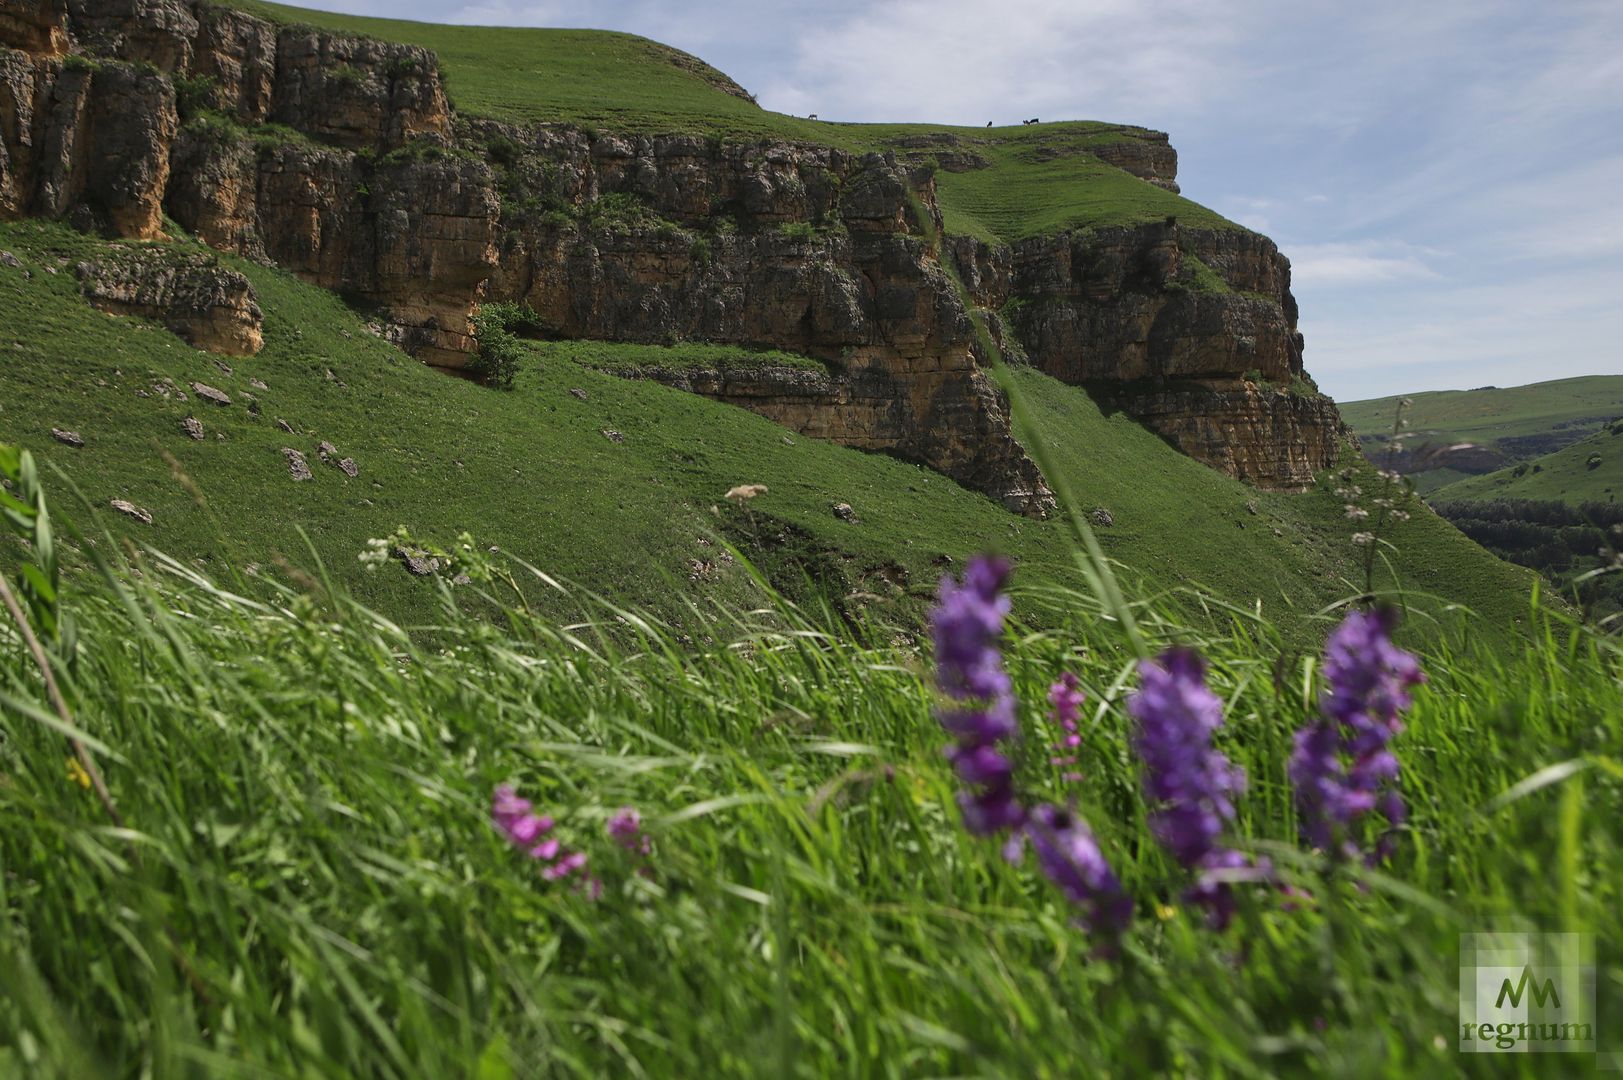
(1527, 992)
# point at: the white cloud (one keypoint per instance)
(1314, 265)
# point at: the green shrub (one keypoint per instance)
(346, 76)
(497, 361)
(801, 232)
(195, 94)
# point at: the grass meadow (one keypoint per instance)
(302, 878)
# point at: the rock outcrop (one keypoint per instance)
(1192, 331)
(211, 306)
(374, 202)
(338, 158)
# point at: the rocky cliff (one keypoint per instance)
(338, 158)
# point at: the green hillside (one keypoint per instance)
(1512, 424)
(532, 470)
(1590, 470)
(1036, 179)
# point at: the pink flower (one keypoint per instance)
(527, 831)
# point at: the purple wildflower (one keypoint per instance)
(965, 624)
(1189, 784)
(1065, 709)
(527, 831)
(1342, 767)
(1186, 780)
(625, 829)
(1070, 858)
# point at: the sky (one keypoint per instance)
(1446, 176)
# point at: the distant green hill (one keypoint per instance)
(1590, 470)
(540, 472)
(1506, 426)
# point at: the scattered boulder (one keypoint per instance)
(417, 562)
(193, 427)
(285, 426)
(844, 512)
(613, 436)
(743, 493)
(209, 393)
(296, 465)
(257, 384)
(578, 392)
(8, 259)
(71, 438)
(1102, 517)
(124, 506)
(325, 450)
(349, 468)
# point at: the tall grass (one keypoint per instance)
(306, 883)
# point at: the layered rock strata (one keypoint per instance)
(1191, 330)
(338, 158)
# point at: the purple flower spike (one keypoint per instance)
(1070, 858)
(1342, 767)
(1189, 783)
(966, 622)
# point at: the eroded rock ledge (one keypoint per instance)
(211, 306)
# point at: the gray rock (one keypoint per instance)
(417, 562)
(124, 506)
(578, 392)
(285, 426)
(1102, 517)
(71, 438)
(349, 467)
(296, 465)
(325, 449)
(193, 427)
(209, 393)
(844, 512)
(8, 259)
(613, 436)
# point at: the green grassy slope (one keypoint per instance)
(621, 82)
(1520, 422)
(532, 472)
(1565, 476)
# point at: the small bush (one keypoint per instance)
(801, 232)
(195, 94)
(346, 77)
(497, 361)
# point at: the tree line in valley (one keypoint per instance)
(1561, 541)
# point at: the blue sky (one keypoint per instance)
(1445, 175)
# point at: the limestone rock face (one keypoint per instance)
(416, 238)
(35, 26)
(212, 307)
(90, 139)
(1271, 438)
(1180, 327)
(643, 239)
(356, 92)
(824, 258)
